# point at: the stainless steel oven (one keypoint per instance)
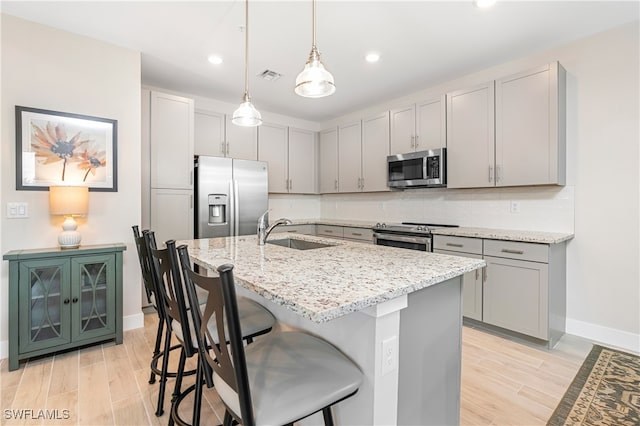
(407, 235)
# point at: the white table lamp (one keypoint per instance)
(69, 201)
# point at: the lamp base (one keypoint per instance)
(69, 238)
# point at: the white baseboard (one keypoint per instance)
(133, 321)
(128, 323)
(605, 335)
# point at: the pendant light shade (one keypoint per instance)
(314, 81)
(246, 115)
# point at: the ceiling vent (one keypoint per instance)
(270, 75)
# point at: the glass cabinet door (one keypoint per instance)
(93, 296)
(44, 319)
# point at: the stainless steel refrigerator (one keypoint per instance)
(230, 196)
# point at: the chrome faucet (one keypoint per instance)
(264, 229)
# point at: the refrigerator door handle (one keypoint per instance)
(232, 210)
(236, 207)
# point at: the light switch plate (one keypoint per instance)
(515, 207)
(17, 210)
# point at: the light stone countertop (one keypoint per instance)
(487, 233)
(507, 235)
(326, 283)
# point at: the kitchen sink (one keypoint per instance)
(298, 244)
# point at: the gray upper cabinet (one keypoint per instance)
(512, 134)
(375, 149)
(291, 156)
(470, 137)
(349, 157)
(419, 127)
(403, 125)
(209, 134)
(273, 149)
(217, 136)
(241, 142)
(530, 127)
(328, 161)
(171, 141)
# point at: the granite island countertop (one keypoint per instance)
(326, 283)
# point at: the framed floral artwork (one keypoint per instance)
(60, 148)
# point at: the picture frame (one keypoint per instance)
(61, 148)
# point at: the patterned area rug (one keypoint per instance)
(606, 391)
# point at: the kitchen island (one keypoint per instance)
(396, 313)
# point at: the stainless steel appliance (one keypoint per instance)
(423, 169)
(230, 196)
(408, 235)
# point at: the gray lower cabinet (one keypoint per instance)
(522, 288)
(309, 229)
(471, 281)
(361, 235)
(516, 294)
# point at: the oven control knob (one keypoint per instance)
(420, 228)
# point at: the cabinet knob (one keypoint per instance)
(66, 301)
(75, 300)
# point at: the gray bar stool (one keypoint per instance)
(281, 378)
(166, 273)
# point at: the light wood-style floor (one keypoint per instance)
(503, 383)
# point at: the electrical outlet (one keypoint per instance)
(17, 210)
(389, 355)
(515, 207)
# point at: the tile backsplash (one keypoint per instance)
(548, 209)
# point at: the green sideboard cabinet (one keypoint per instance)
(61, 299)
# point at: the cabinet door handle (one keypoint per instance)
(66, 301)
(477, 274)
(490, 173)
(498, 173)
(417, 141)
(413, 141)
(75, 300)
(328, 231)
(455, 245)
(335, 185)
(357, 234)
(222, 148)
(485, 275)
(512, 251)
(286, 184)
(362, 183)
(290, 184)
(227, 153)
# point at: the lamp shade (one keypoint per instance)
(68, 200)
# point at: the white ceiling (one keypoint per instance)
(421, 43)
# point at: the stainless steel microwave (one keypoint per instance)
(423, 169)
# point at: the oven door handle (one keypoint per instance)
(402, 238)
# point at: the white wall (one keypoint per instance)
(603, 278)
(51, 69)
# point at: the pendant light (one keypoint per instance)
(314, 81)
(246, 115)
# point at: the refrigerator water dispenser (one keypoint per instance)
(217, 208)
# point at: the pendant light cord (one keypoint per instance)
(313, 24)
(246, 51)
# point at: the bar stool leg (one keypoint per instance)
(163, 376)
(156, 350)
(328, 417)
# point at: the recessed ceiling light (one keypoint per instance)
(483, 4)
(372, 57)
(215, 59)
